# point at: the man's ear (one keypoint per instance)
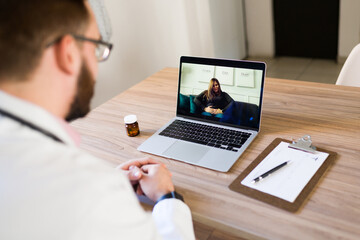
(68, 55)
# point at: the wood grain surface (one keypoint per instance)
(291, 109)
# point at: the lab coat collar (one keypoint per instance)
(39, 117)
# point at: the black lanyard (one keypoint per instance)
(30, 125)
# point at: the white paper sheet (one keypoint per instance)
(289, 181)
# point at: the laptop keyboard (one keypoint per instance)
(206, 135)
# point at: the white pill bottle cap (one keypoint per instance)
(129, 119)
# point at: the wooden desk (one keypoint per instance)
(329, 113)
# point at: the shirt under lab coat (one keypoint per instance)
(52, 190)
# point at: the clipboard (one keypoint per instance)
(276, 201)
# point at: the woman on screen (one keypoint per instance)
(213, 102)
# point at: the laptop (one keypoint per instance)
(218, 113)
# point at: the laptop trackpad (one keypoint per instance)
(187, 152)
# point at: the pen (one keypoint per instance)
(264, 175)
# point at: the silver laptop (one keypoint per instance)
(217, 115)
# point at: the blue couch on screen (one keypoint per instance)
(239, 113)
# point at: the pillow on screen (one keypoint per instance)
(184, 102)
(193, 107)
(241, 113)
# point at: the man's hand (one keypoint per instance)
(156, 181)
(132, 170)
(137, 162)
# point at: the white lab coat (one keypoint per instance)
(51, 190)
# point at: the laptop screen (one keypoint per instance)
(227, 92)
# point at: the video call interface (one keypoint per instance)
(221, 94)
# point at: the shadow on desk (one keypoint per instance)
(147, 132)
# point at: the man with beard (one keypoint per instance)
(49, 188)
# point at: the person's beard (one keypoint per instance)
(85, 91)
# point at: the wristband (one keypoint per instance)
(171, 195)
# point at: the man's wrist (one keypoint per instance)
(170, 195)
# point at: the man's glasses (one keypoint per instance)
(102, 50)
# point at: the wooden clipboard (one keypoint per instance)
(275, 201)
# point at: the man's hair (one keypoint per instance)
(27, 27)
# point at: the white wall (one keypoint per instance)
(149, 35)
(228, 28)
(260, 28)
(349, 26)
